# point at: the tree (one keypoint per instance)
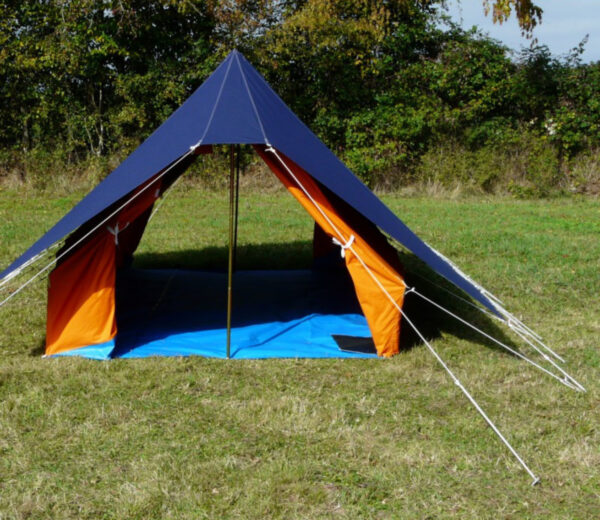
(528, 14)
(87, 75)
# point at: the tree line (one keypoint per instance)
(395, 88)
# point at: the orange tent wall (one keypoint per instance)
(81, 292)
(382, 315)
(81, 297)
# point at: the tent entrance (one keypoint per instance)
(254, 314)
(314, 313)
(285, 314)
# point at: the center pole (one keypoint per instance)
(231, 243)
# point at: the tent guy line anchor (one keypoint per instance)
(535, 479)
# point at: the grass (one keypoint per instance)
(201, 438)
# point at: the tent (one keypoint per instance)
(90, 288)
(234, 105)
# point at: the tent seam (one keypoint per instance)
(214, 109)
(262, 128)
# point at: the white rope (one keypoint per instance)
(453, 377)
(458, 297)
(526, 328)
(341, 238)
(498, 342)
(550, 360)
(517, 327)
(464, 275)
(521, 330)
(451, 374)
(511, 322)
(70, 248)
(497, 303)
(431, 349)
(343, 246)
(536, 479)
(507, 318)
(524, 333)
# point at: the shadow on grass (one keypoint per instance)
(39, 350)
(439, 290)
(429, 320)
(291, 255)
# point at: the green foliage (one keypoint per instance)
(92, 74)
(381, 83)
(576, 120)
(526, 168)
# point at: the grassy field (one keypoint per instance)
(201, 438)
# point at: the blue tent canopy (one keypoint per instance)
(235, 105)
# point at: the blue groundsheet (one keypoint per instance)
(282, 314)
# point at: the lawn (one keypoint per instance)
(200, 438)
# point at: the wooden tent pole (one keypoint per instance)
(236, 210)
(231, 245)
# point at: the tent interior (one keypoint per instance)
(312, 311)
(276, 313)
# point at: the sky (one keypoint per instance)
(564, 25)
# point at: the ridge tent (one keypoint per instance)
(92, 307)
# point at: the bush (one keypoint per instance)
(527, 168)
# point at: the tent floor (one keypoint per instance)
(283, 314)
